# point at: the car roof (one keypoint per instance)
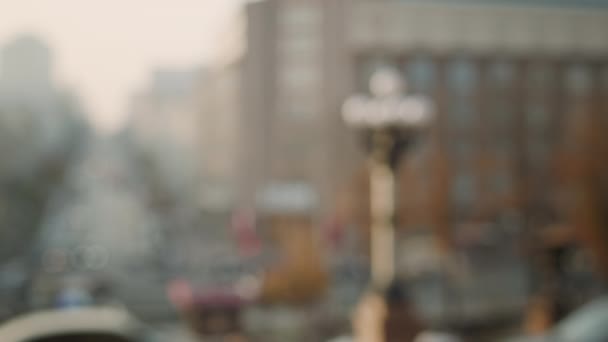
(111, 321)
(589, 323)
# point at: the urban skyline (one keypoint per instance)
(109, 62)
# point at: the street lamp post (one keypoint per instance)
(389, 122)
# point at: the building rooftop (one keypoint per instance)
(534, 3)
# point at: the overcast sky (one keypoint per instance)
(106, 49)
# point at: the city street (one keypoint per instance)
(297, 171)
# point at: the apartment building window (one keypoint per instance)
(462, 150)
(540, 77)
(420, 75)
(501, 125)
(502, 74)
(579, 80)
(300, 105)
(299, 87)
(301, 15)
(462, 83)
(537, 116)
(300, 23)
(300, 76)
(463, 190)
(501, 180)
(293, 47)
(300, 51)
(540, 86)
(499, 110)
(462, 76)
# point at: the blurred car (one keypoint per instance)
(587, 324)
(74, 325)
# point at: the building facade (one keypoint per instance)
(288, 132)
(505, 77)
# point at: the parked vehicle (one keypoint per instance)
(74, 325)
(588, 324)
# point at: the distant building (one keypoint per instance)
(168, 107)
(25, 67)
(168, 91)
(220, 120)
(164, 126)
(183, 121)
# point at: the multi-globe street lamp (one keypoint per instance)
(389, 121)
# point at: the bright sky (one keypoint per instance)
(106, 49)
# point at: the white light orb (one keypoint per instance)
(386, 82)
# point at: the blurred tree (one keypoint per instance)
(36, 147)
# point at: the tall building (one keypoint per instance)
(25, 66)
(220, 115)
(293, 137)
(506, 77)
